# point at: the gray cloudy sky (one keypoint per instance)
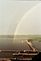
(11, 13)
(26, 0)
(30, 23)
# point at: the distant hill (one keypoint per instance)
(33, 37)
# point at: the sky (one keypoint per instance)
(30, 23)
(11, 13)
(26, 0)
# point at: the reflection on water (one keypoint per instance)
(5, 43)
(8, 43)
(18, 44)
